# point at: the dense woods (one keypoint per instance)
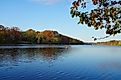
(9, 35)
(13, 35)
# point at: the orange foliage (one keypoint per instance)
(48, 34)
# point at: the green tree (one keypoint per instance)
(107, 15)
(40, 37)
(31, 35)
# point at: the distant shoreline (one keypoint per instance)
(110, 43)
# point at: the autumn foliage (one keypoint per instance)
(13, 35)
(9, 35)
(107, 15)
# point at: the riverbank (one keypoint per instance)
(43, 44)
(111, 43)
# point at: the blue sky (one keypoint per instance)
(46, 14)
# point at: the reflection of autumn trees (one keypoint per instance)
(8, 57)
(14, 35)
(16, 55)
(51, 52)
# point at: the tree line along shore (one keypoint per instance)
(13, 35)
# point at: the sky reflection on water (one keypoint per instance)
(59, 63)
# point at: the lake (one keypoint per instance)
(77, 62)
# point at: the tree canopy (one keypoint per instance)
(107, 15)
(13, 35)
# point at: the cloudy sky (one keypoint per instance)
(46, 14)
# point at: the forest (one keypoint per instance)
(13, 35)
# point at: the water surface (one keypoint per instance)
(83, 62)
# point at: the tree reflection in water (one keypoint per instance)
(14, 56)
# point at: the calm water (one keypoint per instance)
(82, 62)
